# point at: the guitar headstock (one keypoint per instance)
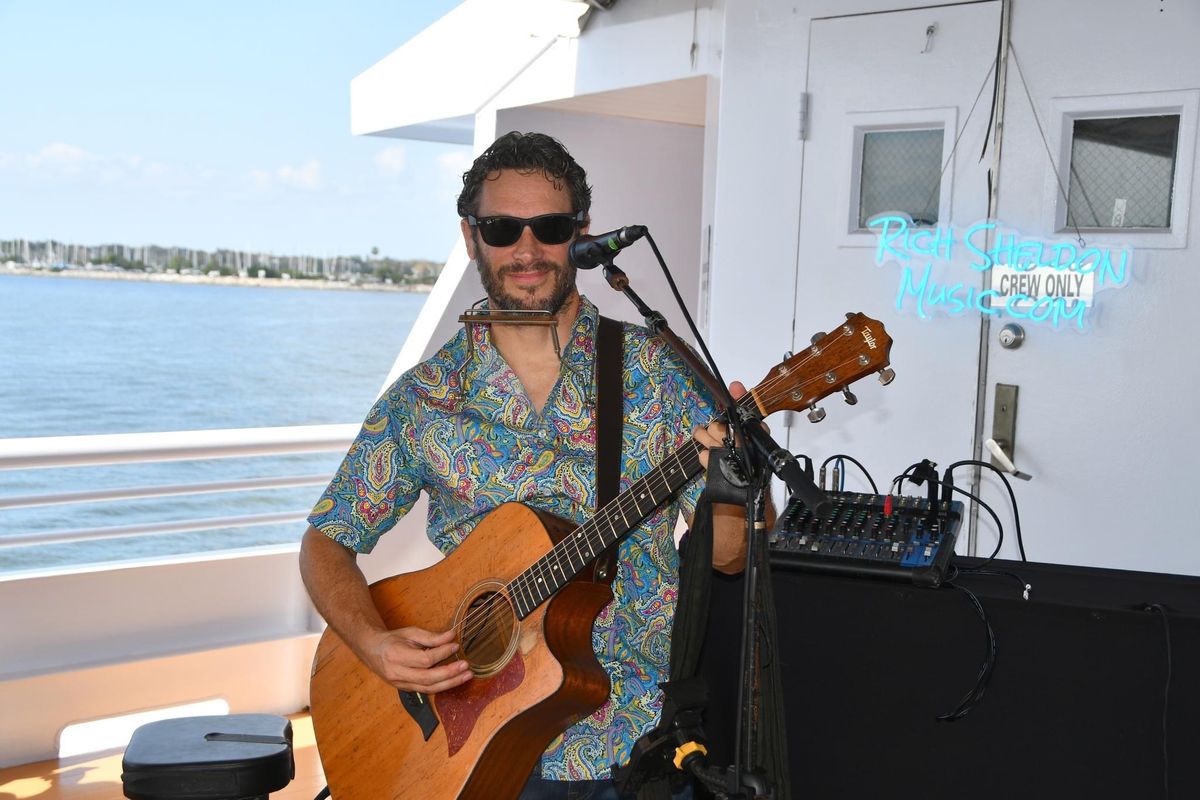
(853, 350)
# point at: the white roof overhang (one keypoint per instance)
(432, 87)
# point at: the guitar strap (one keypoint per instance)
(610, 421)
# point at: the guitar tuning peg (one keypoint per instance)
(818, 336)
(887, 375)
(815, 414)
(850, 397)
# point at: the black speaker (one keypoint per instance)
(1078, 705)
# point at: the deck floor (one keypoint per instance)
(98, 777)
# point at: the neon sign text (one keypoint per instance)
(1031, 279)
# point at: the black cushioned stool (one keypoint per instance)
(235, 757)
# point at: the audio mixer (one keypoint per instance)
(868, 535)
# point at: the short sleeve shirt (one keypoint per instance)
(460, 427)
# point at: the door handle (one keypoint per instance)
(1003, 442)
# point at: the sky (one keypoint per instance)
(221, 123)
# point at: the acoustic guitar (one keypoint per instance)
(521, 592)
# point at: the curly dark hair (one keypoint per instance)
(526, 152)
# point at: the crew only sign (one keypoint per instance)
(1051, 282)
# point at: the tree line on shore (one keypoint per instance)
(375, 269)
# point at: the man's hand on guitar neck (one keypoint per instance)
(713, 435)
(408, 658)
(729, 521)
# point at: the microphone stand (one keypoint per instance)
(781, 462)
(743, 780)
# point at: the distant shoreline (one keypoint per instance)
(215, 280)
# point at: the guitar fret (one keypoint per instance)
(539, 582)
(560, 575)
(541, 594)
(527, 596)
(616, 531)
(591, 551)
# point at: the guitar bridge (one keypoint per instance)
(418, 707)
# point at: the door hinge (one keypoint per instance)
(802, 131)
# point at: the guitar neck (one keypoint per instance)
(565, 560)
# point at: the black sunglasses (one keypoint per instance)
(505, 231)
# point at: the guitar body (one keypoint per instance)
(534, 676)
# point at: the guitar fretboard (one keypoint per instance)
(567, 558)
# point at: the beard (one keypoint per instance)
(493, 283)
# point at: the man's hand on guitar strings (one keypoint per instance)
(411, 660)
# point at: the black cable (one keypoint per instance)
(995, 92)
(1012, 497)
(1161, 609)
(898, 481)
(712, 364)
(972, 698)
(1026, 588)
(975, 695)
(855, 462)
(735, 420)
(995, 518)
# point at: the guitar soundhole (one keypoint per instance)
(487, 629)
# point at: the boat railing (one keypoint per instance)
(136, 448)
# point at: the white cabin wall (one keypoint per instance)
(643, 173)
(756, 208)
(649, 41)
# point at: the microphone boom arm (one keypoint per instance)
(781, 462)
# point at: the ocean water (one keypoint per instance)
(82, 356)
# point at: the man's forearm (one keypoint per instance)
(338, 589)
(729, 535)
(729, 538)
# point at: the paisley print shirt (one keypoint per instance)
(460, 427)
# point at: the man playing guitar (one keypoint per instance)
(500, 414)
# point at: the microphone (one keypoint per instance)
(589, 252)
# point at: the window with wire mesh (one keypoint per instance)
(1122, 172)
(901, 172)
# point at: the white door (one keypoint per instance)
(1102, 418)
(895, 91)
